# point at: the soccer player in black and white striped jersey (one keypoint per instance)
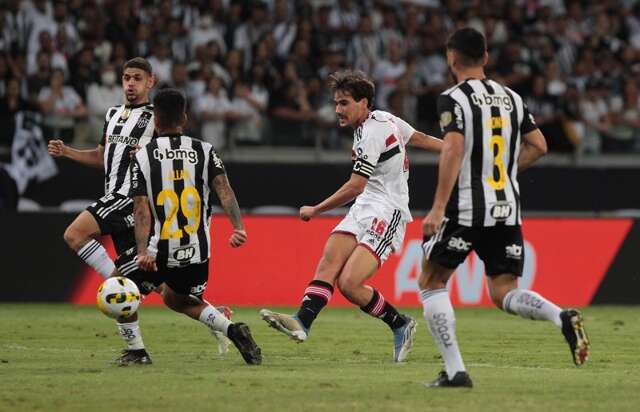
(171, 181)
(126, 127)
(489, 137)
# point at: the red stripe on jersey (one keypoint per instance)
(390, 140)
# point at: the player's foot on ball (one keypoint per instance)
(460, 380)
(287, 324)
(403, 339)
(223, 341)
(240, 335)
(575, 335)
(133, 357)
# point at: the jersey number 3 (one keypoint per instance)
(190, 210)
(496, 145)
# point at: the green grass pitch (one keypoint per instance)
(57, 358)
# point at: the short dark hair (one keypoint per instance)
(138, 63)
(354, 82)
(470, 44)
(169, 107)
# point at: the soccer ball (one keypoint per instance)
(118, 297)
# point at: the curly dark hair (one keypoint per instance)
(354, 82)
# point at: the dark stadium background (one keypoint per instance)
(261, 67)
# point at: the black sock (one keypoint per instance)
(379, 308)
(316, 297)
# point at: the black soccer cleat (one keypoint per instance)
(575, 335)
(460, 380)
(133, 357)
(240, 335)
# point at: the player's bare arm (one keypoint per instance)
(142, 218)
(232, 209)
(448, 169)
(92, 157)
(349, 191)
(425, 142)
(533, 147)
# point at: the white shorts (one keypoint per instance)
(380, 230)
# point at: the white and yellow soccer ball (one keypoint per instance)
(118, 297)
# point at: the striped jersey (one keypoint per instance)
(379, 155)
(175, 173)
(125, 128)
(492, 118)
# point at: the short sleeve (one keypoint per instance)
(450, 115)
(404, 129)
(368, 149)
(216, 167)
(138, 185)
(528, 122)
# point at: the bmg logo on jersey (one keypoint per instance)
(498, 100)
(458, 244)
(514, 251)
(176, 154)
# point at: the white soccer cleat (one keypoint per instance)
(403, 339)
(287, 324)
(223, 341)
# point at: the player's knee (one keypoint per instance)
(74, 238)
(348, 286)
(430, 278)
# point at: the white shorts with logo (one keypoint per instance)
(380, 230)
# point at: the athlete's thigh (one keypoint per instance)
(450, 246)
(339, 246)
(113, 214)
(86, 225)
(501, 248)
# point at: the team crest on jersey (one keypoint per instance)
(142, 122)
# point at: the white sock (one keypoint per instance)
(96, 256)
(441, 321)
(530, 305)
(130, 332)
(214, 320)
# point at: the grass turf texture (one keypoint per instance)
(57, 357)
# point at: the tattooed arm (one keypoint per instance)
(142, 218)
(232, 209)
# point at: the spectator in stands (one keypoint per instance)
(246, 111)
(212, 109)
(388, 71)
(100, 96)
(61, 106)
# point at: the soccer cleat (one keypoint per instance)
(403, 339)
(287, 324)
(575, 335)
(133, 357)
(240, 335)
(223, 341)
(460, 380)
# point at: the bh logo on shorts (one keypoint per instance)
(458, 244)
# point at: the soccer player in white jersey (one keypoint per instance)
(171, 181)
(375, 225)
(489, 137)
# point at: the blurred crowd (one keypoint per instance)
(254, 71)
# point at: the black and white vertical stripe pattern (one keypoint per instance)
(389, 233)
(160, 174)
(474, 198)
(125, 129)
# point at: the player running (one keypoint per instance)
(171, 180)
(375, 225)
(489, 137)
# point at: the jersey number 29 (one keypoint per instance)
(191, 211)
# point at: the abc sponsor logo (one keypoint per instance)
(189, 155)
(514, 251)
(458, 244)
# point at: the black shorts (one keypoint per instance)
(501, 248)
(186, 280)
(114, 214)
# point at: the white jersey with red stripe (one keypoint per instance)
(379, 155)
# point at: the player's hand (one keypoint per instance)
(147, 263)
(238, 238)
(56, 148)
(307, 212)
(431, 223)
(133, 151)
